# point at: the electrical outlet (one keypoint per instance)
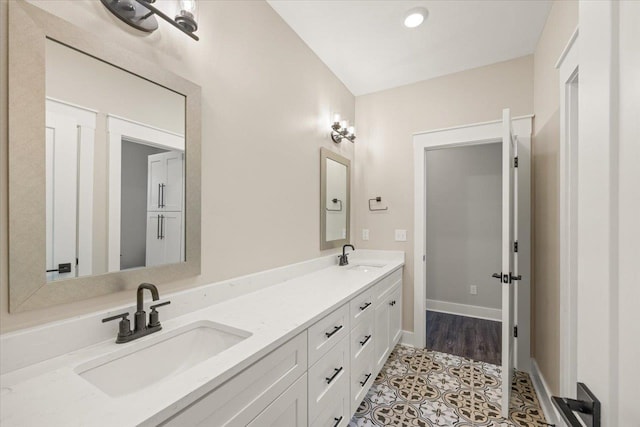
(473, 290)
(365, 234)
(401, 235)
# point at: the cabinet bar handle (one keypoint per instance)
(162, 227)
(335, 374)
(364, 307)
(336, 329)
(337, 420)
(163, 205)
(158, 230)
(366, 339)
(159, 196)
(362, 383)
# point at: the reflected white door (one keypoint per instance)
(61, 194)
(509, 257)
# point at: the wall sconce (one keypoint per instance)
(341, 130)
(141, 15)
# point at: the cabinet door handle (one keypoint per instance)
(336, 329)
(364, 307)
(366, 339)
(162, 227)
(337, 420)
(366, 378)
(163, 205)
(158, 229)
(159, 195)
(336, 371)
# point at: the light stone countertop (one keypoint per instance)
(51, 393)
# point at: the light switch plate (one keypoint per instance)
(365, 234)
(401, 235)
(473, 290)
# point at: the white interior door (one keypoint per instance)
(509, 260)
(61, 194)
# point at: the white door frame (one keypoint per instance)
(568, 67)
(119, 129)
(474, 134)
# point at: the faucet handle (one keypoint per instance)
(124, 326)
(154, 319)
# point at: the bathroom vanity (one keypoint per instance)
(302, 351)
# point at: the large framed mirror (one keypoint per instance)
(335, 199)
(104, 166)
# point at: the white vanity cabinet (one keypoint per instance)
(318, 378)
(388, 316)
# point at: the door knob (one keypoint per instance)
(497, 276)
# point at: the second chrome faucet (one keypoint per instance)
(140, 326)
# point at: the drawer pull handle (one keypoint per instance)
(337, 420)
(364, 307)
(362, 383)
(366, 339)
(335, 374)
(336, 329)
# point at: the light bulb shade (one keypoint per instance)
(336, 118)
(352, 130)
(343, 124)
(187, 16)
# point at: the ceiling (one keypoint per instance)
(367, 46)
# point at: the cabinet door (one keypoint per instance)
(155, 245)
(288, 410)
(172, 237)
(174, 181)
(395, 317)
(381, 330)
(155, 179)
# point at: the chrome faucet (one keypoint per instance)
(140, 326)
(344, 258)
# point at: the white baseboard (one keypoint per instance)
(464, 309)
(407, 338)
(544, 395)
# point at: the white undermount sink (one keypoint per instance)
(136, 367)
(371, 267)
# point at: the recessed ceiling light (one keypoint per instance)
(415, 17)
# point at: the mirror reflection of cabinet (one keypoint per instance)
(335, 203)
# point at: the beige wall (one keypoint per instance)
(266, 106)
(560, 24)
(384, 150)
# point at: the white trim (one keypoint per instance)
(567, 48)
(119, 128)
(480, 133)
(544, 395)
(490, 122)
(568, 65)
(406, 338)
(466, 310)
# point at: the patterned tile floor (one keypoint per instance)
(423, 388)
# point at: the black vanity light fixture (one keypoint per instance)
(340, 130)
(141, 15)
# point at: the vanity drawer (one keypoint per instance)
(336, 414)
(329, 378)
(384, 286)
(362, 377)
(362, 305)
(325, 333)
(362, 336)
(239, 400)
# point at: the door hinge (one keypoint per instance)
(515, 331)
(515, 246)
(515, 162)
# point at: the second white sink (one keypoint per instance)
(366, 267)
(135, 368)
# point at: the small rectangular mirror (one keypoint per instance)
(335, 199)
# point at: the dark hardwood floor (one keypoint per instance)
(476, 339)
